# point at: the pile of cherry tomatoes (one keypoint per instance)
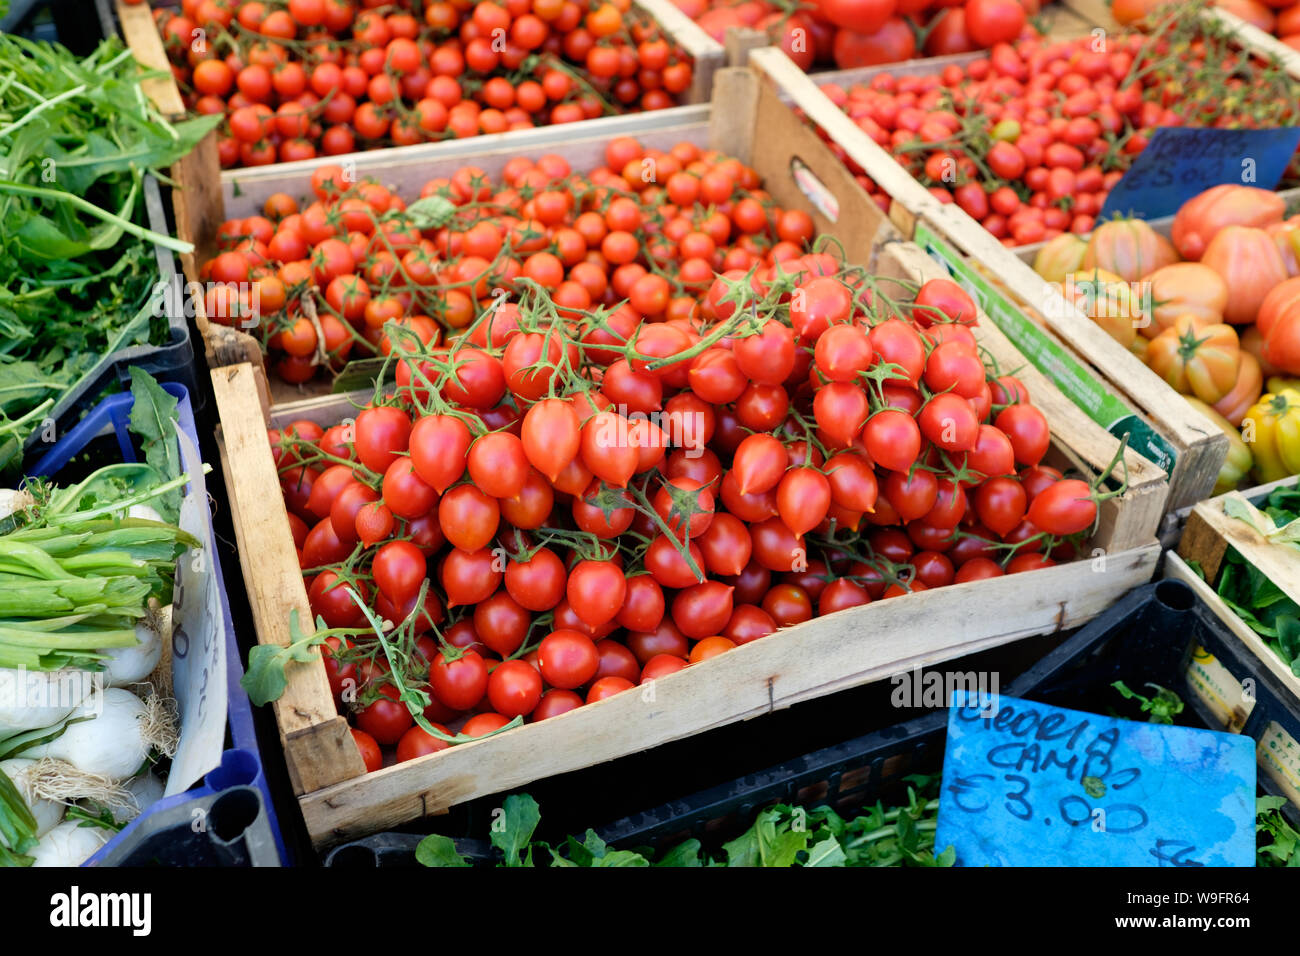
(1030, 139)
(855, 33)
(684, 425)
(327, 77)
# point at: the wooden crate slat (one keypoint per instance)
(141, 35)
(1255, 40)
(318, 745)
(409, 167)
(840, 651)
(707, 53)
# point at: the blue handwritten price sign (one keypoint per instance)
(1028, 784)
(1180, 163)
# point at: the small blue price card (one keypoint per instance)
(1029, 784)
(1180, 163)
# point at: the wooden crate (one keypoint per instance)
(1231, 696)
(340, 802)
(1111, 384)
(1208, 536)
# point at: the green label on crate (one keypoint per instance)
(1074, 381)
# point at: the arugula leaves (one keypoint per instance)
(1283, 846)
(78, 269)
(781, 836)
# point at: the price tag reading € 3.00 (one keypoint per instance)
(1180, 163)
(1029, 784)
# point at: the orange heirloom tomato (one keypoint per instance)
(1277, 303)
(1182, 288)
(1245, 392)
(1196, 359)
(1108, 300)
(1282, 342)
(1129, 248)
(1248, 260)
(1200, 218)
(1060, 256)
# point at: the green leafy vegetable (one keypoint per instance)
(435, 850)
(781, 836)
(1163, 706)
(78, 269)
(264, 679)
(1282, 846)
(76, 574)
(17, 825)
(512, 830)
(153, 414)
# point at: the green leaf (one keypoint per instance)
(621, 858)
(1288, 638)
(778, 843)
(557, 859)
(437, 850)
(518, 821)
(743, 850)
(431, 212)
(947, 858)
(686, 853)
(585, 853)
(1235, 506)
(827, 852)
(17, 825)
(1267, 802)
(153, 418)
(264, 680)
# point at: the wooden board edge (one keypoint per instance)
(265, 542)
(142, 38)
(799, 170)
(759, 677)
(321, 756)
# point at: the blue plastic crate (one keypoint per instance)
(241, 763)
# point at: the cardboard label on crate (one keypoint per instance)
(1077, 383)
(1029, 784)
(1182, 162)
(1218, 690)
(198, 640)
(1279, 756)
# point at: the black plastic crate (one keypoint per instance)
(60, 21)
(1149, 635)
